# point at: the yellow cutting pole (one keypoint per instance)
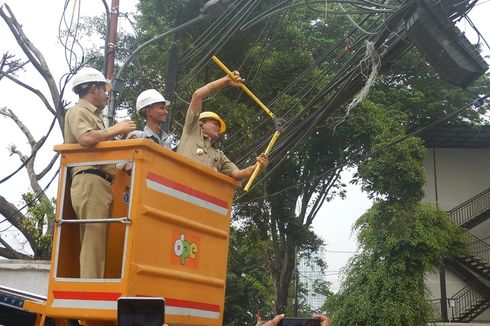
(257, 168)
(243, 87)
(262, 105)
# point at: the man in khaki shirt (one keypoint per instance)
(202, 129)
(91, 189)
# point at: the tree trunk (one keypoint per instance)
(282, 271)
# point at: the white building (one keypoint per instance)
(309, 272)
(458, 181)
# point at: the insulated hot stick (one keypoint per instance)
(277, 122)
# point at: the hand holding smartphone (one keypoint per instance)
(296, 321)
(140, 311)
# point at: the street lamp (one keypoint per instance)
(212, 8)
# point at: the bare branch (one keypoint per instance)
(34, 55)
(14, 217)
(35, 91)
(11, 253)
(10, 114)
(10, 212)
(9, 66)
(13, 150)
(34, 148)
(48, 167)
(322, 196)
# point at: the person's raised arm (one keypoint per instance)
(201, 93)
(92, 137)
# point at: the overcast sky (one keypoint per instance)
(335, 219)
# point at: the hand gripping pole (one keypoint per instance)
(277, 122)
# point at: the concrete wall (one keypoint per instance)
(453, 284)
(459, 174)
(25, 275)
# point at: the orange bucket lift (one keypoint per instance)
(167, 237)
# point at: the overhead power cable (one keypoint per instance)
(307, 88)
(480, 36)
(304, 128)
(233, 135)
(70, 54)
(477, 102)
(276, 9)
(348, 81)
(206, 37)
(225, 33)
(265, 35)
(254, 69)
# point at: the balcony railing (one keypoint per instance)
(471, 208)
(463, 300)
(480, 249)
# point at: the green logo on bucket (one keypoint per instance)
(185, 249)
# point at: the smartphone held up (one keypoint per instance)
(297, 321)
(140, 311)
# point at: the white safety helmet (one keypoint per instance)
(90, 75)
(149, 97)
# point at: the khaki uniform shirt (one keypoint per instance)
(81, 118)
(199, 147)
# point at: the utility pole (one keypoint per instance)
(110, 55)
(171, 79)
(112, 39)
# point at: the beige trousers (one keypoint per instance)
(92, 198)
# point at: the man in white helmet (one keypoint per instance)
(91, 189)
(202, 129)
(153, 107)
